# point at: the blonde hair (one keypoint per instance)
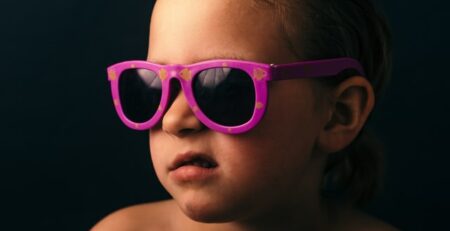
(319, 29)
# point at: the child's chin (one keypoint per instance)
(209, 212)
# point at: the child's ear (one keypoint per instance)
(351, 103)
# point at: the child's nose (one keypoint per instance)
(179, 119)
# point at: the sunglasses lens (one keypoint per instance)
(225, 95)
(140, 94)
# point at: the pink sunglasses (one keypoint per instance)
(228, 96)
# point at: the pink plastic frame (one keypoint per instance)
(261, 74)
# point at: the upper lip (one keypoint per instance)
(186, 157)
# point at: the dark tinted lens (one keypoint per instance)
(225, 95)
(140, 94)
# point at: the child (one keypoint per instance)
(243, 145)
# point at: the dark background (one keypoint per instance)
(66, 160)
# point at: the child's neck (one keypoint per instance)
(311, 216)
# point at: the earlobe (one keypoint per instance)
(352, 101)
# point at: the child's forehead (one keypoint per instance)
(189, 13)
(217, 29)
(203, 57)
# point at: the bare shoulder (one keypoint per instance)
(352, 219)
(149, 216)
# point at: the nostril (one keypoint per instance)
(187, 131)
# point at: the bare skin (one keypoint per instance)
(268, 178)
(166, 215)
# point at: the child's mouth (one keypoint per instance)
(193, 159)
(199, 162)
(193, 167)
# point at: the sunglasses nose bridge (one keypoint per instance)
(179, 78)
(179, 72)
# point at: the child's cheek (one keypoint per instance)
(158, 152)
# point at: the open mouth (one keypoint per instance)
(197, 160)
(194, 168)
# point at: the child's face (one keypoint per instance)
(272, 166)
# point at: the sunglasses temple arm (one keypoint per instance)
(311, 69)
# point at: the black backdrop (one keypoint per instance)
(66, 160)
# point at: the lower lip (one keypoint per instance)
(191, 173)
